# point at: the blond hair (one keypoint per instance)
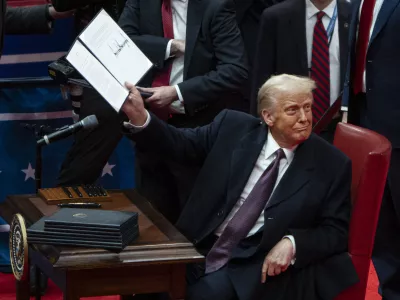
(284, 84)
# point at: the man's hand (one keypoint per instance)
(60, 15)
(344, 117)
(177, 48)
(162, 96)
(133, 106)
(278, 259)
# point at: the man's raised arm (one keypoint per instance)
(154, 135)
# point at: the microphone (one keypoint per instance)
(87, 123)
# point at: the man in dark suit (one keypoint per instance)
(287, 44)
(200, 69)
(248, 16)
(271, 206)
(27, 20)
(371, 98)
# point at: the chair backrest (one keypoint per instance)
(370, 155)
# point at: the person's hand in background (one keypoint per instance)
(54, 15)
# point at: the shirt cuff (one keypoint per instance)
(344, 108)
(178, 91)
(168, 51)
(291, 238)
(134, 128)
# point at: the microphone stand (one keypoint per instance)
(39, 133)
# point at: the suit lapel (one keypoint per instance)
(344, 15)
(194, 18)
(296, 176)
(243, 159)
(386, 11)
(297, 25)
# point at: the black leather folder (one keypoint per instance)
(72, 218)
(37, 231)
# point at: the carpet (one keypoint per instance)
(7, 289)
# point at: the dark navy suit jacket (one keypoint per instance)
(382, 110)
(311, 202)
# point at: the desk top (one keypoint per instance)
(159, 241)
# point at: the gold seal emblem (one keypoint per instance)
(19, 247)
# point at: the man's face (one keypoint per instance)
(291, 120)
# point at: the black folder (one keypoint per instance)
(112, 230)
(70, 218)
(37, 231)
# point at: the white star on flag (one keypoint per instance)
(107, 170)
(29, 173)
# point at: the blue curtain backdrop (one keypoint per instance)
(41, 105)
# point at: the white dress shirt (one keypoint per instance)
(179, 19)
(266, 157)
(377, 8)
(334, 47)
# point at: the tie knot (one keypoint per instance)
(280, 154)
(320, 15)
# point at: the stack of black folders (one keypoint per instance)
(111, 230)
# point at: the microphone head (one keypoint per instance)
(89, 122)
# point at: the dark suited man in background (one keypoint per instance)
(308, 38)
(248, 16)
(271, 206)
(371, 97)
(27, 20)
(200, 69)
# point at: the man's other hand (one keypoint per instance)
(344, 117)
(162, 96)
(60, 15)
(277, 260)
(178, 48)
(133, 106)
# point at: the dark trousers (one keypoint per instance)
(214, 286)
(91, 149)
(386, 252)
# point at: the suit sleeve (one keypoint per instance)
(26, 20)
(264, 62)
(231, 72)
(153, 46)
(189, 146)
(330, 235)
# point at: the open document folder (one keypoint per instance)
(107, 58)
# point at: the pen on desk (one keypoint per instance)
(67, 192)
(80, 205)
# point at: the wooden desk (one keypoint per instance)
(156, 262)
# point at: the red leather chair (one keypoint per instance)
(370, 156)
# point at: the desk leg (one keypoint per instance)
(23, 289)
(38, 290)
(178, 282)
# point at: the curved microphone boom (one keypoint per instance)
(87, 123)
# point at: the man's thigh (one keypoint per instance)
(216, 285)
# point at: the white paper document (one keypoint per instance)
(108, 58)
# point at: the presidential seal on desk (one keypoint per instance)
(19, 247)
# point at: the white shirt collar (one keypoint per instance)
(272, 146)
(311, 10)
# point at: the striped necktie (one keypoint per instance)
(320, 69)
